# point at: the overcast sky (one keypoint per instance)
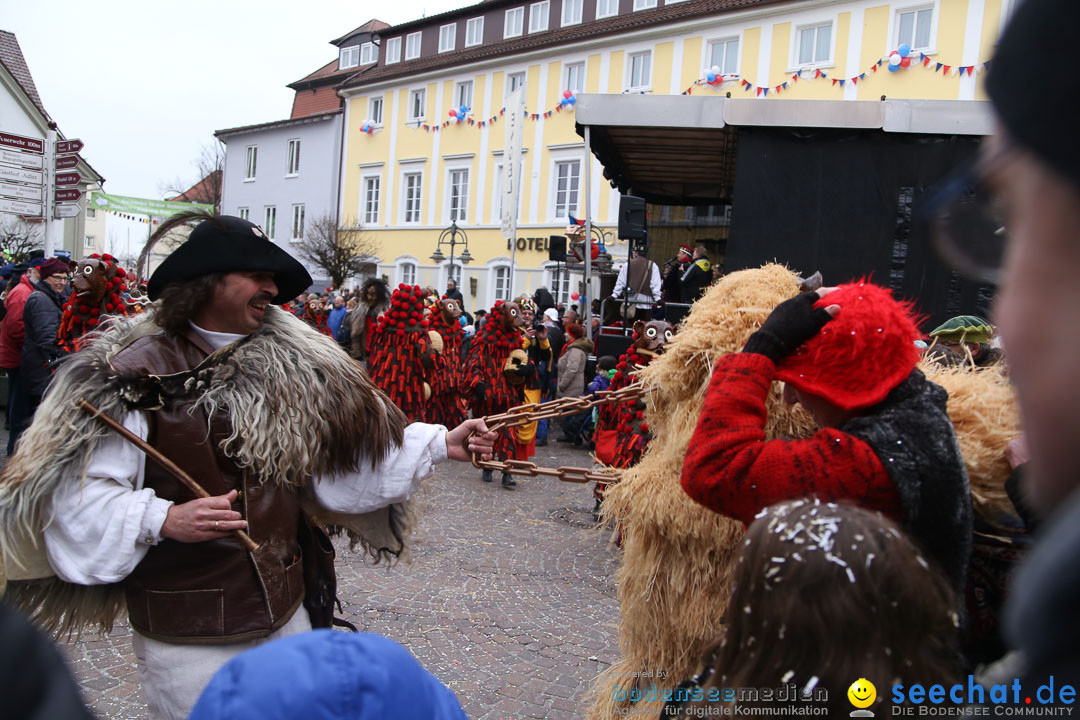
(144, 85)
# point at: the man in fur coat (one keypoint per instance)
(281, 428)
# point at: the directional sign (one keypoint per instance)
(34, 177)
(66, 162)
(19, 207)
(21, 142)
(68, 146)
(64, 210)
(21, 159)
(22, 192)
(69, 195)
(68, 178)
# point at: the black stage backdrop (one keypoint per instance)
(845, 203)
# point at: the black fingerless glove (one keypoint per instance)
(790, 324)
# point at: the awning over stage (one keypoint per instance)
(680, 150)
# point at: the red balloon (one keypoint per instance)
(574, 296)
(567, 93)
(904, 62)
(595, 251)
(453, 112)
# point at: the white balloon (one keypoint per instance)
(894, 59)
(715, 69)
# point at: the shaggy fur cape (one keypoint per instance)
(299, 408)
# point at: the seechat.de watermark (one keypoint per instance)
(971, 699)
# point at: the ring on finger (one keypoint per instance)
(217, 524)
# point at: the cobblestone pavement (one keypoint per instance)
(509, 600)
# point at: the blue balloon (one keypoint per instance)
(463, 109)
(904, 50)
(894, 68)
(710, 78)
(571, 100)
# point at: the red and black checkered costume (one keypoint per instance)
(487, 387)
(402, 358)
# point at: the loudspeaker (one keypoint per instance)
(631, 217)
(557, 248)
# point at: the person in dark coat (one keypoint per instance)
(848, 356)
(452, 292)
(697, 274)
(374, 301)
(41, 317)
(543, 299)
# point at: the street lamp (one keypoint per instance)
(450, 236)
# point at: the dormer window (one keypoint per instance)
(349, 57)
(369, 53)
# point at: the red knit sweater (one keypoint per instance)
(732, 470)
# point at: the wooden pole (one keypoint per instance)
(161, 460)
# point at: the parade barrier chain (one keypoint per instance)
(526, 414)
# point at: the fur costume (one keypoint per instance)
(447, 406)
(402, 357)
(675, 576)
(488, 388)
(264, 383)
(98, 289)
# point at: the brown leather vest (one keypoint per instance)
(214, 591)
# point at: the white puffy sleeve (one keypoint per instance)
(102, 526)
(393, 480)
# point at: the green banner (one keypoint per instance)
(143, 206)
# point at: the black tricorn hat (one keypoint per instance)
(225, 244)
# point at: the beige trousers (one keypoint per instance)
(173, 676)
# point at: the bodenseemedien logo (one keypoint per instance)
(862, 694)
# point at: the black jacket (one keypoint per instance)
(42, 317)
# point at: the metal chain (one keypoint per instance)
(531, 412)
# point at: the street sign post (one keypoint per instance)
(68, 146)
(66, 162)
(66, 210)
(21, 142)
(22, 175)
(22, 192)
(67, 178)
(67, 195)
(20, 207)
(15, 158)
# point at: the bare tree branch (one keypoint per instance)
(209, 168)
(19, 237)
(341, 251)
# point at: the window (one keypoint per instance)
(252, 158)
(606, 8)
(413, 182)
(463, 94)
(408, 273)
(88, 241)
(375, 110)
(538, 16)
(474, 32)
(644, 4)
(348, 57)
(416, 104)
(502, 283)
(559, 282)
(640, 71)
(913, 28)
(447, 37)
(575, 77)
(412, 46)
(459, 194)
(292, 161)
(271, 221)
(91, 213)
(567, 175)
(393, 50)
(297, 222)
(497, 204)
(453, 272)
(515, 81)
(815, 44)
(242, 213)
(571, 12)
(724, 54)
(513, 21)
(369, 53)
(371, 200)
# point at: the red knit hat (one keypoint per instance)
(861, 354)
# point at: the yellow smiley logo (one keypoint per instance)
(862, 693)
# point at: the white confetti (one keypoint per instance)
(787, 676)
(809, 688)
(851, 575)
(922, 561)
(869, 559)
(778, 560)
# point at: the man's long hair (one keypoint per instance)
(382, 295)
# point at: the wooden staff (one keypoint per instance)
(161, 460)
